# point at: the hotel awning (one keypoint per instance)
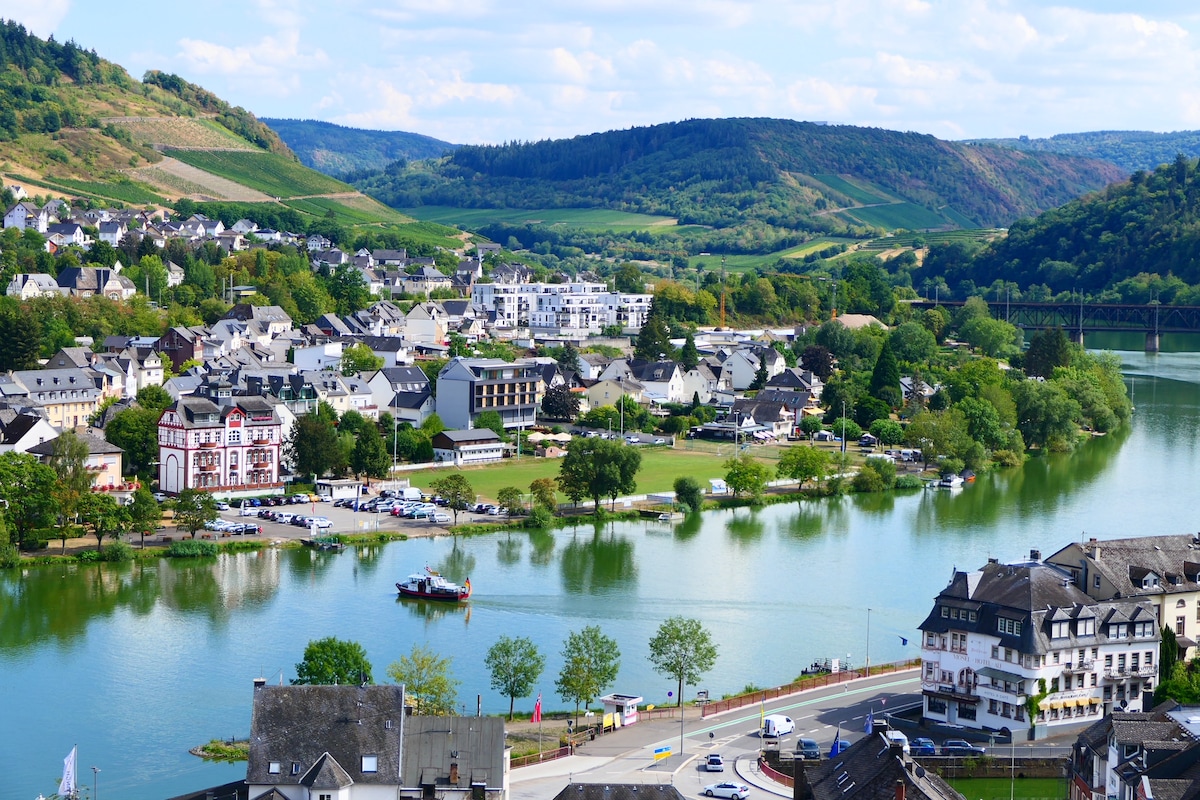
(1069, 703)
(999, 674)
(1095, 701)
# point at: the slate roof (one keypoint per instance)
(432, 744)
(473, 436)
(1122, 561)
(869, 770)
(310, 725)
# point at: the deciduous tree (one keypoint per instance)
(332, 661)
(560, 402)
(590, 664)
(428, 680)
(370, 456)
(29, 490)
(193, 508)
(803, 463)
(598, 468)
(744, 475)
(515, 664)
(509, 498)
(543, 491)
(456, 490)
(682, 649)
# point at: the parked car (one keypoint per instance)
(660, 441)
(439, 517)
(222, 505)
(808, 749)
(734, 791)
(960, 747)
(160, 496)
(714, 763)
(922, 746)
(249, 511)
(284, 518)
(320, 522)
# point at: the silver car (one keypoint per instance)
(734, 791)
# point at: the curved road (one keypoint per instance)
(627, 756)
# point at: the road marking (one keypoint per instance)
(800, 704)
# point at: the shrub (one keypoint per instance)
(192, 549)
(688, 493)
(10, 556)
(909, 482)
(877, 475)
(1008, 458)
(539, 518)
(117, 551)
(88, 557)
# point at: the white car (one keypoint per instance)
(439, 517)
(734, 791)
(222, 506)
(320, 522)
(160, 497)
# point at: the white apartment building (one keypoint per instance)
(562, 308)
(1003, 634)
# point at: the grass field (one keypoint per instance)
(125, 190)
(660, 467)
(898, 215)
(856, 192)
(266, 172)
(1000, 788)
(347, 211)
(585, 218)
(934, 237)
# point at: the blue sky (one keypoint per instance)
(472, 71)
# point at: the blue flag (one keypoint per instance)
(837, 743)
(869, 726)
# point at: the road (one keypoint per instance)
(627, 756)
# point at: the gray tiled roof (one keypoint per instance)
(869, 770)
(621, 791)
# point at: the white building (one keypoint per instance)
(577, 308)
(1009, 632)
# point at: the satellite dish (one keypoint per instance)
(920, 771)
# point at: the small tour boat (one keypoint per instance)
(951, 481)
(432, 586)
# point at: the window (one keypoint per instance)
(1060, 630)
(273, 767)
(1179, 626)
(325, 797)
(931, 671)
(1054, 655)
(1009, 626)
(1087, 626)
(1096, 582)
(1180, 603)
(295, 767)
(935, 705)
(370, 763)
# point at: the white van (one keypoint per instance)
(409, 493)
(894, 736)
(777, 725)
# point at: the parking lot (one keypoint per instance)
(344, 520)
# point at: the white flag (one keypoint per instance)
(67, 787)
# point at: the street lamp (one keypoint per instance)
(95, 782)
(868, 640)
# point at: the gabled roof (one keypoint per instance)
(621, 791)
(308, 724)
(869, 770)
(326, 773)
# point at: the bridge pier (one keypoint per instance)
(1076, 336)
(1152, 342)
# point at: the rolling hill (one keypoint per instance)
(727, 173)
(1129, 150)
(340, 151)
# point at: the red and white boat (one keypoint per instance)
(432, 586)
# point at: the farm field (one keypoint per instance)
(347, 210)
(898, 215)
(746, 263)
(173, 175)
(934, 237)
(587, 218)
(122, 189)
(185, 132)
(266, 172)
(856, 192)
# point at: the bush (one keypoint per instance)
(192, 549)
(877, 475)
(117, 551)
(688, 493)
(1008, 458)
(909, 482)
(10, 556)
(539, 518)
(88, 557)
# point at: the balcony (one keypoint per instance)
(1122, 673)
(262, 441)
(949, 691)
(261, 464)
(1082, 666)
(208, 467)
(208, 445)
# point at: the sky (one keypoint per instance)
(490, 71)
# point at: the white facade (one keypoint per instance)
(567, 308)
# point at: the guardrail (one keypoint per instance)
(538, 758)
(803, 685)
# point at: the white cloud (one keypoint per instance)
(41, 17)
(276, 60)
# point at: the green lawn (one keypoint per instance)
(1001, 788)
(266, 172)
(584, 218)
(660, 467)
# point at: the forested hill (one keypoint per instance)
(729, 171)
(341, 152)
(1129, 150)
(1133, 242)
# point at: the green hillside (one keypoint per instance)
(267, 172)
(732, 172)
(340, 151)
(1136, 241)
(1129, 150)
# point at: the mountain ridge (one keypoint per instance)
(341, 151)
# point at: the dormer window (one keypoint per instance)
(295, 767)
(370, 763)
(1060, 630)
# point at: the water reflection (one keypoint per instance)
(745, 526)
(597, 560)
(508, 550)
(458, 564)
(541, 552)
(432, 611)
(806, 522)
(367, 558)
(691, 525)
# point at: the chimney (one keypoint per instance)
(259, 683)
(1035, 555)
(453, 774)
(899, 790)
(1092, 549)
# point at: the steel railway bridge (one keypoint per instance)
(1079, 319)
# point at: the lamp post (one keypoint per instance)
(868, 641)
(95, 783)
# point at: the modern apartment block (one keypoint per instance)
(561, 308)
(1008, 633)
(466, 387)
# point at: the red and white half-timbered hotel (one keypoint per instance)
(220, 443)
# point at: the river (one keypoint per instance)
(136, 663)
